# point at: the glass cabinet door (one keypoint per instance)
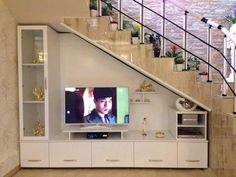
(31, 51)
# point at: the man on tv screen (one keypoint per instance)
(103, 105)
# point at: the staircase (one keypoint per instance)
(118, 43)
(222, 123)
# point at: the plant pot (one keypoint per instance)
(180, 67)
(135, 40)
(93, 13)
(203, 78)
(113, 26)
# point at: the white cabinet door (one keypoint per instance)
(34, 154)
(192, 155)
(155, 154)
(70, 154)
(112, 154)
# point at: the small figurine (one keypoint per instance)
(160, 134)
(38, 129)
(146, 87)
(144, 132)
(39, 59)
(39, 93)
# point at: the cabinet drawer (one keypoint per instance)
(192, 155)
(70, 154)
(34, 154)
(155, 154)
(112, 154)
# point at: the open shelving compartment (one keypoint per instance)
(189, 124)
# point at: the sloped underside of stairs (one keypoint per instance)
(96, 30)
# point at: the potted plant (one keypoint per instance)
(177, 55)
(203, 76)
(230, 16)
(113, 25)
(135, 33)
(179, 62)
(127, 24)
(193, 63)
(156, 44)
(93, 8)
(107, 8)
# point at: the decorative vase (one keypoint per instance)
(93, 13)
(135, 40)
(179, 67)
(183, 104)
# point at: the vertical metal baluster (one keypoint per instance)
(234, 80)
(99, 6)
(163, 48)
(120, 16)
(209, 57)
(185, 56)
(142, 22)
(223, 89)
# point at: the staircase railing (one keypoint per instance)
(208, 43)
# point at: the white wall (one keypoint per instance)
(84, 65)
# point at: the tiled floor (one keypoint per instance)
(115, 173)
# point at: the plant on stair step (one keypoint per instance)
(107, 8)
(127, 24)
(193, 63)
(230, 16)
(177, 55)
(93, 8)
(135, 33)
(156, 44)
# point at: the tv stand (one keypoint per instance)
(96, 127)
(78, 132)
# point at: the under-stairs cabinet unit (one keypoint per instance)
(38, 66)
(46, 142)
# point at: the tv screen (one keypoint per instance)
(96, 105)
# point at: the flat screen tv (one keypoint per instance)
(96, 105)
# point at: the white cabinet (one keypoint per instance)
(38, 51)
(188, 124)
(39, 92)
(70, 154)
(112, 154)
(192, 154)
(34, 154)
(155, 154)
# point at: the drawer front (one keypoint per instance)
(192, 155)
(34, 154)
(70, 154)
(112, 154)
(155, 154)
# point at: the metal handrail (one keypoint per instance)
(178, 44)
(188, 33)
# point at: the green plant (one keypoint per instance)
(136, 30)
(93, 4)
(107, 8)
(230, 16)
(127, 24)
(179, 61)
(175, 54)
(193, 63)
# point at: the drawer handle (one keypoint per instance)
(112, 160)
(34, 160)
(192, 160)
(70, 160)
(155, 160)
